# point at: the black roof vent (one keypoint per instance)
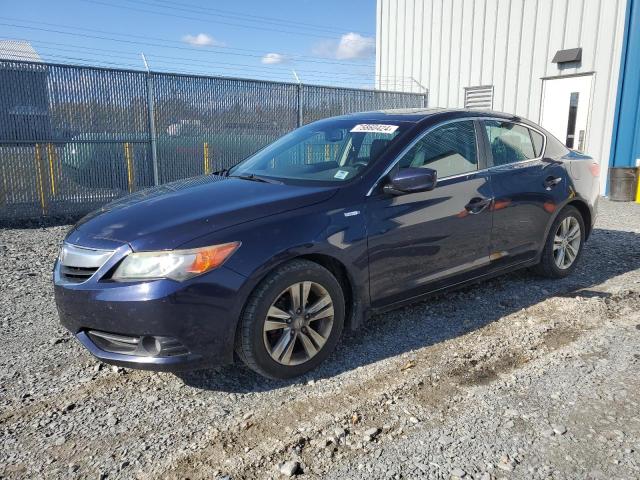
(571, 55)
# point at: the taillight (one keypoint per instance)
(594, 168)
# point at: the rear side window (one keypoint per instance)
(449, 149)
(509, 142)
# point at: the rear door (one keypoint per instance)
(420, 241)
(526, 188)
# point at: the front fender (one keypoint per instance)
(311, 231)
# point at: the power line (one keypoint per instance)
(244, 16)
(174, 15)
(219, 66)
(212, 49)
(19, 58)
(85, 62)
(232, 66)
(167, 65)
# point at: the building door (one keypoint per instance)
(565, 109)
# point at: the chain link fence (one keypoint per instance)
(74, 138)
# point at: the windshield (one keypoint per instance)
(332, 151)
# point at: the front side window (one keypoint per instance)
(449, 150)
(329, 151)
(509, 142)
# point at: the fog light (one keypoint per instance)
(151, 345)
(146, 345)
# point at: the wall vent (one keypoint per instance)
(478, 98)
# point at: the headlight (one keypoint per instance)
(174, 264)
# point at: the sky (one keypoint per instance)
(327, 42)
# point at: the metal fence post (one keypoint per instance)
(299, 104)
(152, 128)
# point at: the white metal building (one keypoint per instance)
(552, 61)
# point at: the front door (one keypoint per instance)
(420, 241)
(565, 109)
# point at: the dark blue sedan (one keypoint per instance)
(337, 220)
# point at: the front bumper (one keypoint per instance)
(168, 364)
(200, 315)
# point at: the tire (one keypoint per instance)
(266, 351)
(549, 266)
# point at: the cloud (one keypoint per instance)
(202, 40)
(350, 46)
(273, 59)
(354, 45)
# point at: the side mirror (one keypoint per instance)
(411, 180)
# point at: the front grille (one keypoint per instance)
(78, 264)
(145, 346)
(77, 274)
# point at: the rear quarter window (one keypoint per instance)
(555, 148)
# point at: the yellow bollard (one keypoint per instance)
(50, 156)
(207, 166)
(128, 157)
(5, 189)
(40, 180)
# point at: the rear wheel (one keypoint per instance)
(563, 246)
(292, 321)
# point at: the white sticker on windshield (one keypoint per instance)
(341, 174)
(374, 128)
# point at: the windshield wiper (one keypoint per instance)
(256, 178)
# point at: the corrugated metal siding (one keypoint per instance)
(19, 50)
(447, 45)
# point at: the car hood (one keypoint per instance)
(167, 216)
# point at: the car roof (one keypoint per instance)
(417, 115)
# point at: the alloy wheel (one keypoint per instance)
(566, 242)
(298, 323)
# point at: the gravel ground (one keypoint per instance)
(518, 377)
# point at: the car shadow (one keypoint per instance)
(608, 253)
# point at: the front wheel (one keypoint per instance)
(563, 246)
(292, 321)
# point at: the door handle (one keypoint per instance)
(551, 182)
(477, 205)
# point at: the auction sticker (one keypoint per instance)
(374, 128)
